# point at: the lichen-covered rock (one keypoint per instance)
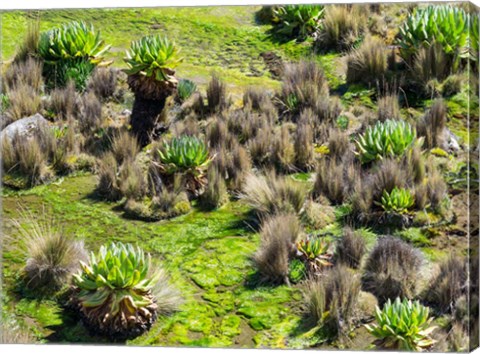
(26, 127)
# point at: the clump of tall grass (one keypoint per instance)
(278, 235)
(368, 63)
(392, 270)
(51, 255)
(350, 248)
(271, 194)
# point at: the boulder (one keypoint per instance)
(451, 141)
(26, 127)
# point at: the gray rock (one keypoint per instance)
(451, 141)
(26, 127)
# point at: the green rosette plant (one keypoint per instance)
(446, 25)
(298, 21)
(399, 200)
(402, 325)
(386, 139)
(71, 52)
(114, 291)
(315, 251)
(150, 66)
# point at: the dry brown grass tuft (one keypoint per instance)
(392, 270)
(103, 83)
(278, 235)
(63, 101)
(351, 248)
(432, 125)
(89, 113)
(368, 63)
(216, 95)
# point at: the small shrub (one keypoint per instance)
(297, 21)
(342, 26)
(388, 108)
(386, 139)
(185, 89)
(392, 270)
(332, 300)
(368, 63)
(399, 200)
(215, 194)
(63, 101)
(447, 285)
(51, 256)
(402, 325)
(216, 95)
(117, 291)
(124, 147)
(271, 194)
(432, 125)
(303, 144)
(278, 235)
(89, 113)
(350, 248)
(103, 83)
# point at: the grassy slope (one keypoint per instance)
(225, 40)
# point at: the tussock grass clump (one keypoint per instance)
(271, 194)
(245, 124)
(332, 300)
(89, 113)
(51, 256)
(303, 145)
(131, 180)
(388, 107)
(351, 248)
(103, 83)
(389, 175)
(257, 99)
(63, 101)
(342, 26)
(29, 47)
(432, 125)
(392, 270)
(216, 95)
(24, 73)
(278, 235)
(436, 189)
(108, 185)
(24, 101)
(430, 64)
(217, 133)
(447, 285)
(368, 63)
(233, 163)
(329, 181)
(282, 150)
(338, 144)
(215, 194)
(124, 147)
(304, 85)
(260, 147)
(452, 85)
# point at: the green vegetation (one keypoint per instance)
(399, 200)
(403, 325)
(284, 194)
(388, 139)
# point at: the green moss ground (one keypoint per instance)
(207, 255)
